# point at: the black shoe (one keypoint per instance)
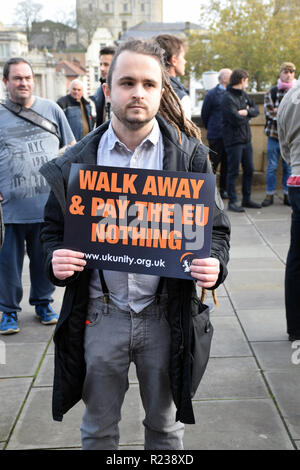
(251, 204)
(224, 194)
(286, 200)
(268, 201)
(233, 207)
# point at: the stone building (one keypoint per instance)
(48, 84)
(115, 15)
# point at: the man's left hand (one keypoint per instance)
(205, 271)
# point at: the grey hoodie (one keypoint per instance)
(288, 123)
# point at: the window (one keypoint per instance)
(4, 50)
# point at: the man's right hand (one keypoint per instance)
(66, 262)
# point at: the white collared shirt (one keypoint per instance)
(129, 289)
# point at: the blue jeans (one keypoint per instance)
(113, 339)
(236, 155)
(273, 151)
(292, 270)
(11, 266)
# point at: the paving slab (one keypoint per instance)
(277, 355)
(245, 379)
(285, 386)
(12, 395)
(256, 289)
(245, 235)
(228, 338)
(37, 430)
(22, 359)
(263, 324)
(237, 425)
(224, 308)
(274, 232)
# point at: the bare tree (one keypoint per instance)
(27, 12)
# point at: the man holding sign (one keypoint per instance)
(110, 318)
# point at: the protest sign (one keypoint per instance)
(144, 221)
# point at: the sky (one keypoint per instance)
(172, 10)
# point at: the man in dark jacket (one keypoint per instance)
(212, 120)
(102, 106)
(110, 318)
(237, 110)
(77, 110)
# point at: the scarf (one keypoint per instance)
(286, 85)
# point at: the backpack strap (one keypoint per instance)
(104, 287)
(31, 116)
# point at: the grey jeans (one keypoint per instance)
(113, 339)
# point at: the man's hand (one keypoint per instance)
(205, 271)
(243, 112)
(66, 262)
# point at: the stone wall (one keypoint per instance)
(259, 142)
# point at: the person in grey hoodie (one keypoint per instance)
(288, 124)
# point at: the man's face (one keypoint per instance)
(136, 90)
(76, 91)
(20, 84)
(179, 63)
(105, 61)
(287, 75)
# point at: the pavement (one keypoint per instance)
(249, 396)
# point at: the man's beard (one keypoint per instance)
(131, 123)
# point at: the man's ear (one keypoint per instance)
(173, 60)
(106, 91)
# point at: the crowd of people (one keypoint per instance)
(143, 119)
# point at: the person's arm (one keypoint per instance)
(205, 111)
(252, 108)
(230, 112)
(269, 108)
(62, 266)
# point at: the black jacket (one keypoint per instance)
(102, 107)
(211, 113)
(69, 353)
(236, 128)
(179, 89)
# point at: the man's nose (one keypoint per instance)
(138, 92)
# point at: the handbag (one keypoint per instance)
(201, 338)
